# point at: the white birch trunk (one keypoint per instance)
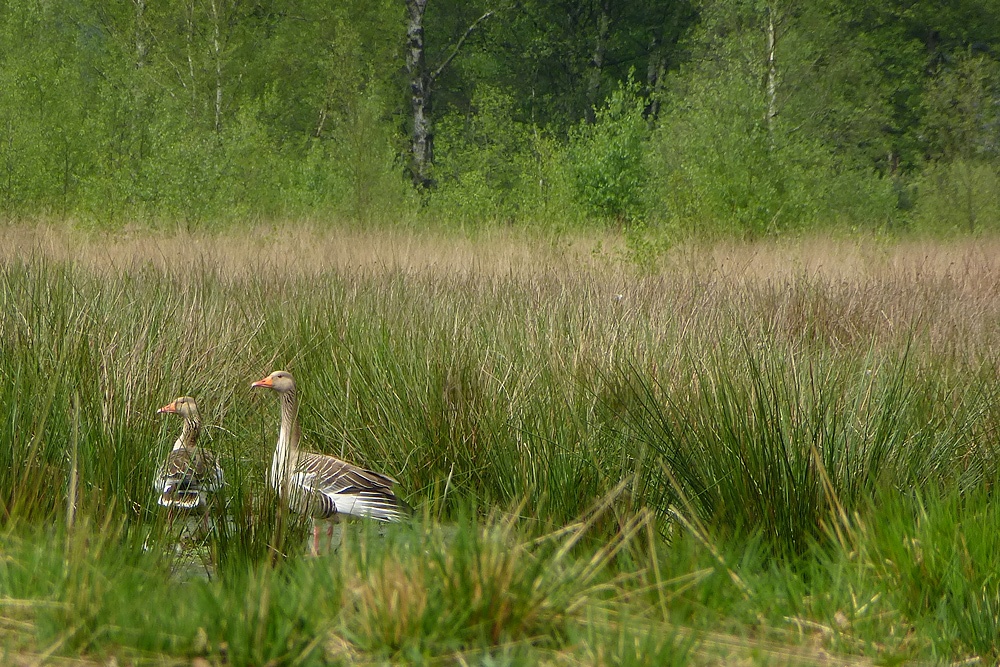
(772, 73)
(422, 140)
(217, 52)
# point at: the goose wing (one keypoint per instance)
(334, 487)
(186, 477)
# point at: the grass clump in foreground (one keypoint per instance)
(696, 465)
(412, 592)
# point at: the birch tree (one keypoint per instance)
(422, 78)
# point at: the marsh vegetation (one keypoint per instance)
(780, 452)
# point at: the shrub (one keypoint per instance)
(958, 196)
(607, 159)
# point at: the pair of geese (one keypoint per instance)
(316, 485)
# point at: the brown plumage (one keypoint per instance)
(323, 486)
(189, 474)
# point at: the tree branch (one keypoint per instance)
(458, 45)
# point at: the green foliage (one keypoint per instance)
(960, 116)
(552, 115)
(607, 158)
(484, 160)
(714, 167)
(43, 139)
(721, 167)
(958, 196)
(171, 113)
(493, 167)
(958, 189)
(645, 247)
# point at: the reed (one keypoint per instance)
(733, 460)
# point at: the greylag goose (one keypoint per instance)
(322, 486)
(190, 473)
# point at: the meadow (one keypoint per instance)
(779, 452)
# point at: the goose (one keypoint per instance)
(189, 473)
(322, 486)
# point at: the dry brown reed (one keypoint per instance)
(314, 249)
(839, 292)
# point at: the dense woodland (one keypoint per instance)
(743, 117)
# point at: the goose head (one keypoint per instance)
(183, 406)
(280, 381)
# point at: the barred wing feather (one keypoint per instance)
(186, 477)
(337, 487)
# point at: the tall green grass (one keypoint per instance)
(606, 466)
(768, 442)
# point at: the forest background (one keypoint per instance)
(679, 117)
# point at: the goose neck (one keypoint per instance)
(189, 434)
(288, 439)
(290, 432)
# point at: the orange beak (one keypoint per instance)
(266, 382)
(169, 407)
